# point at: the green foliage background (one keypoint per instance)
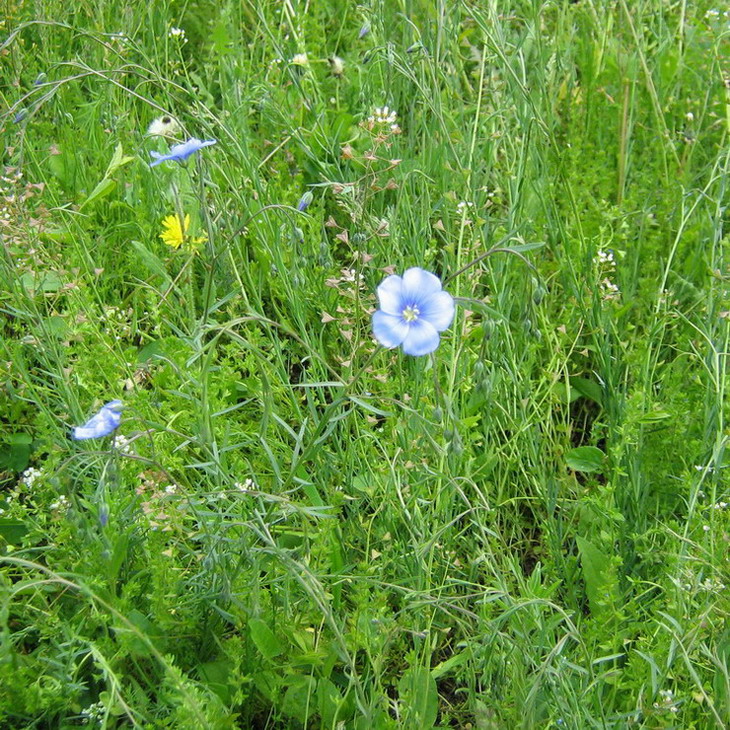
(293, 527)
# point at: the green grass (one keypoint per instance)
(294, 527)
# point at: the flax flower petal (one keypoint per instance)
(102, 423)
(438, 310)
(421, 339)
(389, 331)
(418, 284)
(390, 295)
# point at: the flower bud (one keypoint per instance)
(337, 66)
(456, 447)
(538, 292)
(305, 201)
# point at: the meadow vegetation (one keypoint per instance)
(293, 526)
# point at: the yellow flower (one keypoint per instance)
(174, 233)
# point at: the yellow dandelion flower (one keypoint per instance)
(174, 233)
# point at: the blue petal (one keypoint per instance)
(390, 295)
(421, 339)
(438, 310)
(102, 423)
(180, 152)
(419, 284)
(389, 331)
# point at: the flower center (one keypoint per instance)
(411, 313)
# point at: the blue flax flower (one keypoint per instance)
(181, 152)
(102, 423)
(413, 310)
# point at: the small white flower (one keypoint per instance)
(605, 258)
(178, 33)
(300, 59)
(609, 290)
(123, 444)
(60, 503)
(30, 476)
(171, 488)
(246, 485)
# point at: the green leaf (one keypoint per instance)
(216, 676)
(585, 459)
(588, 389)
(150, 350)
(104, 188)
(298, 701)
(118, 160)
(48, 281)
(329, 701)
(265, 639)
(15, 452)
(418, 697)
(596, 571)
(525, 247)
(153, 263)
(222, 44)
(12, 531)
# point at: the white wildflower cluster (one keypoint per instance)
(300, 59)
(9, 200)
(716, 15)
(94, 713)
(609, 290)
(606, 264)
(178, 33)
(712, 585)
(119, 37)
(246, 485)
(384, 117)
(171, 489)
(605, 258)
(351, 275)
(118, 322)
(719, 505)
(124, 445)
(60, 503)
(464, 205)
(667, 702)
(30, 476)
